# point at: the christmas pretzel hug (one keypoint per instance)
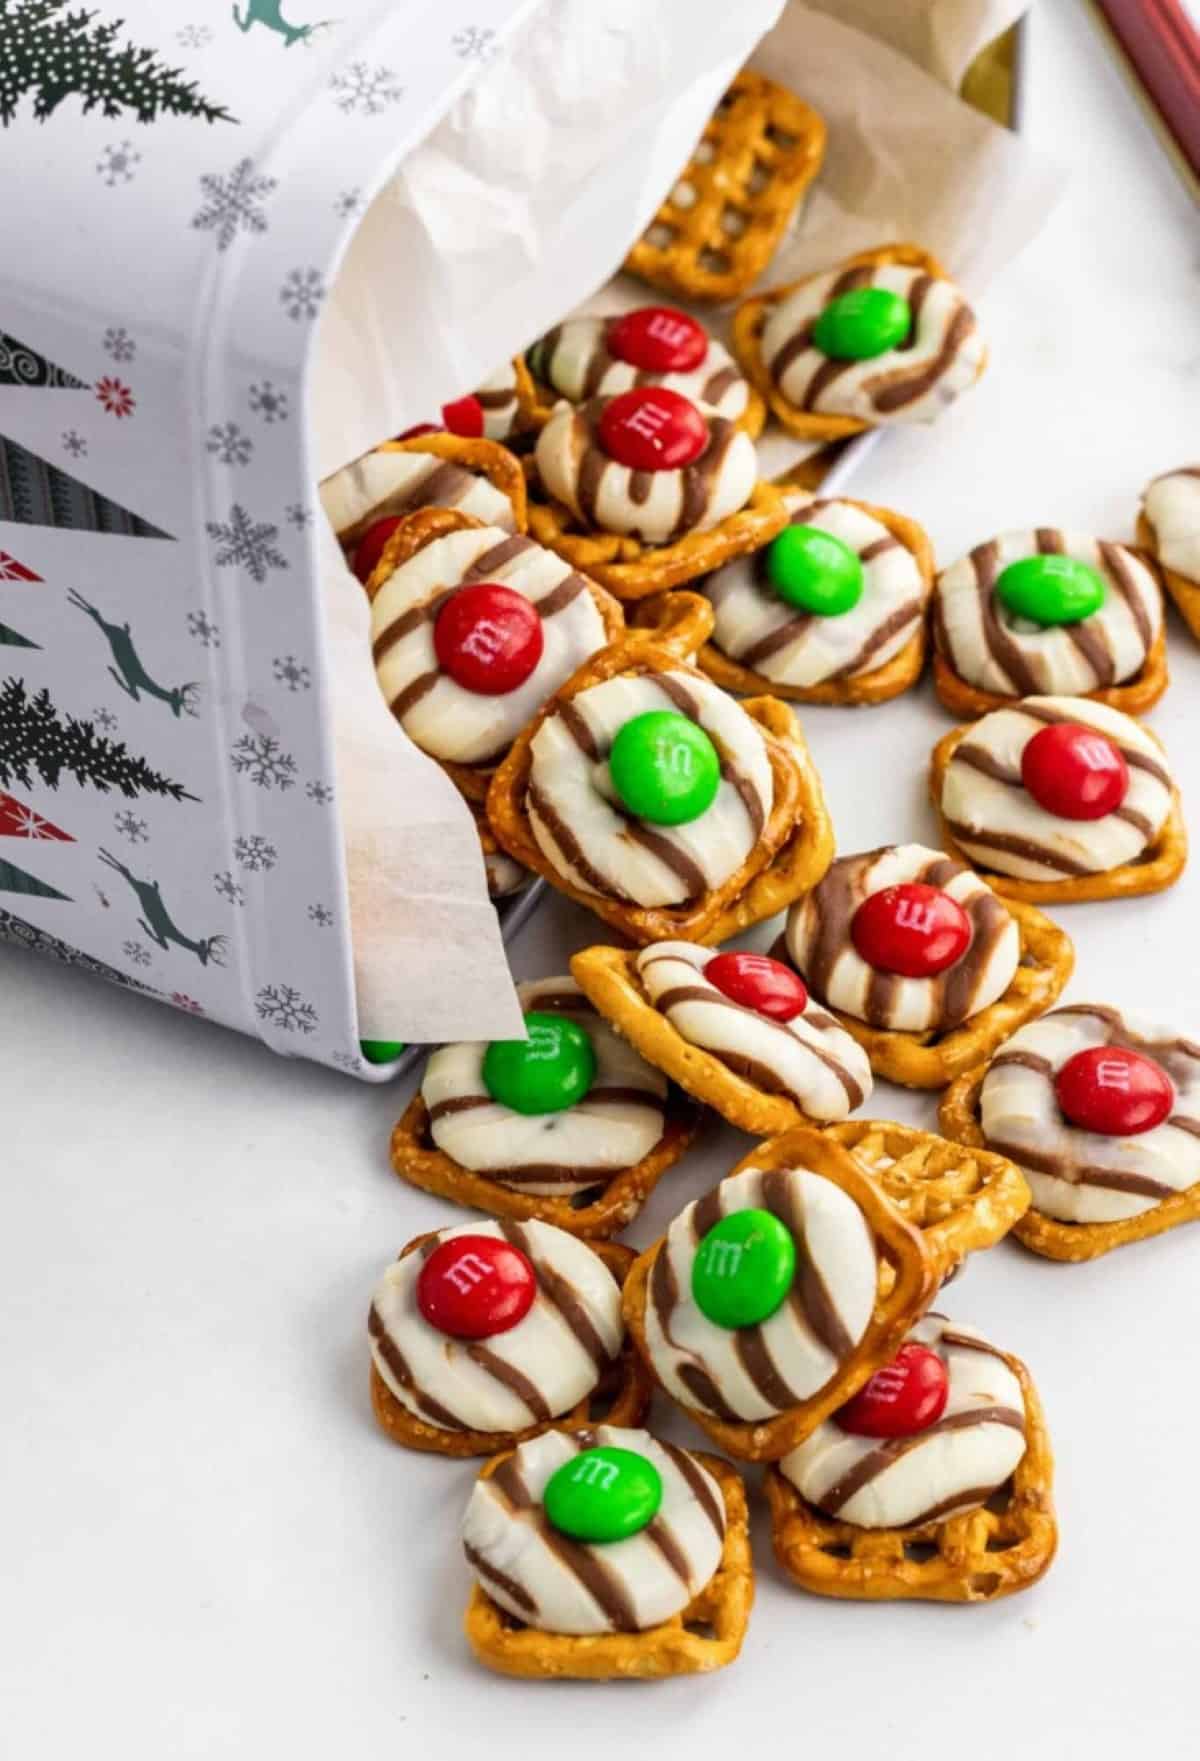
(593, 608)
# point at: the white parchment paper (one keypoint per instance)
(517, 210)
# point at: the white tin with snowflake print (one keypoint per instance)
(255, 241)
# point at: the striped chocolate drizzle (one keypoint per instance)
(809, 1301)
(554, 1292)
(907, 388)
(590, 465)
(868, 1467)
(595, 1567)
(762, 1076)
(833, 903)
(1178, 1057)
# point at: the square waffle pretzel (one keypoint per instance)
(1185, 593)
(911, 1269)
(750, 319)
(877, 686)
(621, 1397)
(1158, 867)
(609, 978)
(593, 1213)
(424, 527)
(958, 1117)
(793, 852)
(963, 1201)
(1002, 1546)
(933, 1058)
(760, 150)
(704, 1636)
(1134, 697)
(631, 569)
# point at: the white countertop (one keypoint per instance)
(206, 1547)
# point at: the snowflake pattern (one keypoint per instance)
(255, 853)
(296, 514)
(105, 720)
(118, 343)
(267, 401)
(474, 43)
(282, 1006)
(361, 90)
(137, 953)
(200, 626)
(189, 1005)
(228, 888)
(118, 164)
(321, 915)
(129, 826)
(348, 203)
(318, 792)
(302, 293)
(228, 444)
(74, 443)
(262, 759)
(289, 672)
(233, 203)
(194, 36)
(115, 396)
(247, 544)
(347, 1061)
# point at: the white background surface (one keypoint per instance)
(206, 1548)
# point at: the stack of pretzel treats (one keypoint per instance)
(591, 609)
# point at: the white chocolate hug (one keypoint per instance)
(951, 1466)
(573, 359)
(1172, 506)
(555, 1584)
(820, 944)
(595, 842)
(617, 1122)
(531, 1373)
(383, 483)
(1082, 1176)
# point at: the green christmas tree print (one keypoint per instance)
(15, 880)
(35, 738)
(10, 638)
(50, 53)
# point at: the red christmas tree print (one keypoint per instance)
(19, 821)
(12, 570)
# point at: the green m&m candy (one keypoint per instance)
(815, 571)
(863, 323)
(603, 1494)
(550, 1070)
(1050, 589)
(381, 1051)
(664, 767)
(743, 1268)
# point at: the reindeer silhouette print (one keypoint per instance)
(157, 922)
(270, 13)
(128, 670)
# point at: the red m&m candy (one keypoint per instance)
(905, 1396)
(475, 1285)
(1074, 771)
(758, 982)
(1114, 1091)
(370, 546)
(488, 638)
(657, 339)
(464, 417)
(652, 428)
(912, 929)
